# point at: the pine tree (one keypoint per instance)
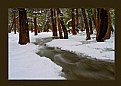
(59, 26)
(62, 24)
(53, 18)
(108, 33)
(73, 23)
(23, 32)
(14, 21)
(103, 24)
(35, 25)
(86, 24)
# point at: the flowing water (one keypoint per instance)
(77, 67)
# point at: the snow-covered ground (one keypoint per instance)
(24, 63)
(91, 48)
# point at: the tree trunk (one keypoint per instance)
(31, 26)
(59, 27)
(62, 24)
(23, 32)
(90, 24)
(82, 23)
(18, 24)
(77, 20)
(103, 25)
(53, 22)
(89, 11)
(98, 23)
(10, 26)
(14, 22)
(108, 33)
(31, 23)
(73, 23)
(35, 25)
(94, 17)
(86, 24)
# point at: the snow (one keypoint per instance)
(25, 64)
(90, 48)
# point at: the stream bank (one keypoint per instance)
(77, 67)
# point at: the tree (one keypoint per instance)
(94, 17)
(59, 26)
(14, 21)
(73, 23)
(77, 20)
(23, 32)
(62, 24)
(53, 18)
(86, 24)
(108, 33)
(102, 24)
(82, 22)
(98, 23)
(89, 11)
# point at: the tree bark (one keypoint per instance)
(103, 25)
(89, 11)
(73, 23)
(35, 25)
(59, 27)
(14, 22)
(23, 32)
(98, 23)
(108, 33)
(53, 22)
(94, 17)
(77, 20)
(86, 24)
(62, 24)
(82, 23)
(90, 24)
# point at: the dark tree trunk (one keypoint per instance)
(103, 25)
(31, 26)
(89, 11)
(59, 27)
(10, 26)
(82, 23)
(86, 24)
(18, 24)
(46, 26)
(35, 25)
(77, 20)
(108, 33)
(94, 17)
(73, 23)
(23, 32)
(53, 22)
(98, 23)
(14, 22)
(90, 24)
(62, 24)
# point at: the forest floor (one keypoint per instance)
(25, 64)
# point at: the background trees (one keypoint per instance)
(65, 21)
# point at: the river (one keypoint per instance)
(77, 67)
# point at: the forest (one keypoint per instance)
(61, 43)
(62, 20)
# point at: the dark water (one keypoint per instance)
(79, 67)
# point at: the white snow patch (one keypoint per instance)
(25, 64)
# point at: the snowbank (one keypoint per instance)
(25, 64)
(92, 49)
